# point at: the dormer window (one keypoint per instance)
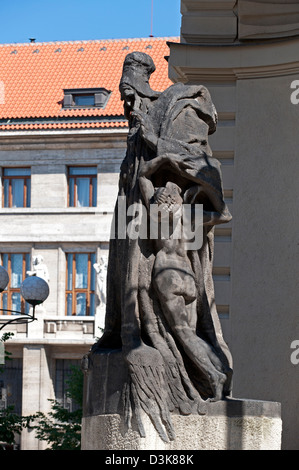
(86, 98)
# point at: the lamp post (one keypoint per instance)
(34, 290)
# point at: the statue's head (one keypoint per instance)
(140, 63)
(38, 259)
(137, 70)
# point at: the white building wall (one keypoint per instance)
(51, 229)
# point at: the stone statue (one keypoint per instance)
(101, 270)
(160, 310)
(39, 268)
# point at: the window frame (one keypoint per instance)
(78, 290)
(26, 189)
(91, 187)
(101, 97)
(11, 290)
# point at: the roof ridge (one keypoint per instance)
(90, 41)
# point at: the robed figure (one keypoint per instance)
(161, 310)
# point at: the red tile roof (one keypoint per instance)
(34, 75)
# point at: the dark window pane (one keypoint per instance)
(27, 261)
(71, 192)
(81, 304)
(17, 190)
(69, 271)
(81, 270)
(11, 385)
(82, 192)
(17, 172)
(84, 100)
(93, 272)
(4, 301)
(92, 305)
(80, 170)
(6, 193)
(16, 302)
(16, 276)
(94, 192)
(69, 303)
(59, 379)
(5, 261)
(28, 200)
(63, 370)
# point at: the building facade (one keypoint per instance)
(246, 53)
(62, 141)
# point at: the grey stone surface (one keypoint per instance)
(228, 425)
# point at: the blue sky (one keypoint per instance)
(70, 20)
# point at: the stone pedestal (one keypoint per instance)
(230, 424)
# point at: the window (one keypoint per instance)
(82, 186)
(16, 265)
(63, 370)
(80, 284)
(86, 98)
(11, 385)
(16, 187)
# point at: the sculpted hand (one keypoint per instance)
(146, 128)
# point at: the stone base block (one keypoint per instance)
(231, 424)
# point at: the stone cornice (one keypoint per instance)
(98, 138)
(193, 63)
(227, 21)
(199, 5)
(271, 19)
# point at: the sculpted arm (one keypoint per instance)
(147, 169)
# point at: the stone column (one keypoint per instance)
(35, 393)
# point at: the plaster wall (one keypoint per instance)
(265, 268)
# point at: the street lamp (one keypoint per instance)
(34, 290)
